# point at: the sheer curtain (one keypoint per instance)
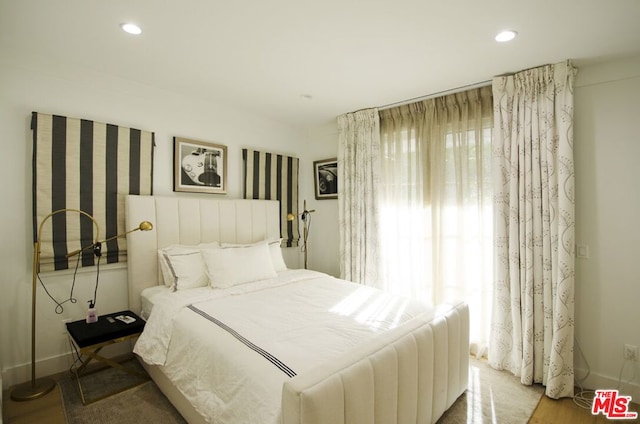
(436, 203)
(532, 332)
(359, 177)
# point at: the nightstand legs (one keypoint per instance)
(92, 353)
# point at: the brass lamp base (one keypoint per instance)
(32, 389)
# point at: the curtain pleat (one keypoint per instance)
(359, 176)
(533, 324)
(435, 203)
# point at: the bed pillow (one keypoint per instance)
(276, 255)
(165, 269)
(229, 265)
(182, 266)
(274, 249)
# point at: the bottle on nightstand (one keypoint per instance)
(92, 313)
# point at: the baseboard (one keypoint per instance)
(597, 381)
(53, 365)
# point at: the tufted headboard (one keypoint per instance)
(189, 220)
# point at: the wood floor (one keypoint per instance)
(48, 410)
(565, 410)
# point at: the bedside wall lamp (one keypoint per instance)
(306, 219)
(37, 388)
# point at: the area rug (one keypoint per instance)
(143, 403)
(492, 397)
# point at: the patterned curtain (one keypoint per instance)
(359, 176)
(269, 176)
(534, 227)
(90, 166)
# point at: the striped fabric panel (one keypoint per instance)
(91, 166)
(269, 176)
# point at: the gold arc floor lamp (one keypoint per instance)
(306, 219)
(39, 387)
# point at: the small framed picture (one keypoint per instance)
(199, 167)
(326, 178)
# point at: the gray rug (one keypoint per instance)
(144, 403)
(492, 397)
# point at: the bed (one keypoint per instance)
(323, 359)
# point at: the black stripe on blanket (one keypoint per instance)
(268, 356)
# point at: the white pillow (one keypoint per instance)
(276, 255)
(182, 266)
(274, 249)
(165, 268)
(232, 265)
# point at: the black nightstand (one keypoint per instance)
(89, 339)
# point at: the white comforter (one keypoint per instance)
(301, 320)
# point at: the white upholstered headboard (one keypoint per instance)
(189, 220)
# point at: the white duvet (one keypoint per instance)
(229, 351)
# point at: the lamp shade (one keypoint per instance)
(145, 226)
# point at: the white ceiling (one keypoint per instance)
(264, 56)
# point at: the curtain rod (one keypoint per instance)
(438, 94)
(446, 92)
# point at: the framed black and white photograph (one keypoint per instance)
(326, 178)
(200, 167)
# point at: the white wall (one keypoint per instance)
(322, 143)
(29, 85)
(607, 164)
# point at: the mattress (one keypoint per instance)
(225, 349)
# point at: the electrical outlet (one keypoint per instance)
(632, 353)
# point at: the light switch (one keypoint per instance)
(582, 251)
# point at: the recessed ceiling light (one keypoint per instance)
(131, 29)
(306, 96)
(507, 35)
